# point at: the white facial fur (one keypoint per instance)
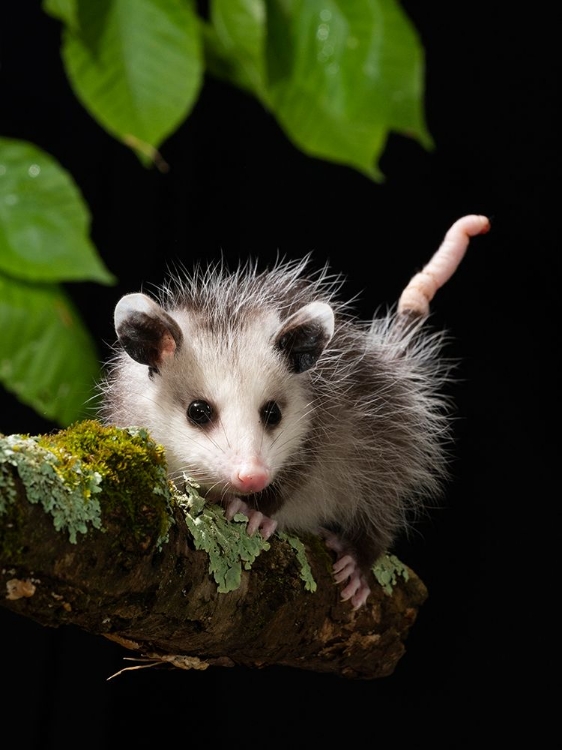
(236, 377)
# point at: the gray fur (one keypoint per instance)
(365, 447)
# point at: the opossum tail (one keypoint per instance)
(416, 297)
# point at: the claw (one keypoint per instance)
(268, 527)
(352, 587)
(236, 506)
(256, 519)
(344, 568)
(361, 596)
(357, 590)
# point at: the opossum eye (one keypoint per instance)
(271, 414)
(200, 412)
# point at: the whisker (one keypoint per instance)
(361, 432)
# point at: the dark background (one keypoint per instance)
(483, 648)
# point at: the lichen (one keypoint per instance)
(226, 542)
(65, 489)
(306, 572)
(387, 569)
(66, 471)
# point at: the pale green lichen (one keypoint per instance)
(68, 496)
(306, 572)
(386, 571)
(227, 543)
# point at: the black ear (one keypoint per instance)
(146, 332)
(303, 337)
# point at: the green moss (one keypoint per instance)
(90, 475)
(66, 470)
(130, 464)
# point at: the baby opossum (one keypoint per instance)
(281, 404)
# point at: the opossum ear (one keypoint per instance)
(147, 333)
(304, 336)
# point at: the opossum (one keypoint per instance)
(266, 389)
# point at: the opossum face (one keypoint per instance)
(235, 413)
(230, 404)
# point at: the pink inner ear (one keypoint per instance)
(167, 346)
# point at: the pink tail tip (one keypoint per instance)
(422, 288)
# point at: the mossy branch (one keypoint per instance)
(92, 534)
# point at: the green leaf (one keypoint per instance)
(342, 75)
(47, 358)
(63, 10)
(136, 65)
(235, 43)
(44, 222)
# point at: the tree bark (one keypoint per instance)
(92, 534)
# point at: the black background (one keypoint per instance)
(479, 657)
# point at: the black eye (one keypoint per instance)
(199, 412)
(271, 414)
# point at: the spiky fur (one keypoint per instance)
(365, 447)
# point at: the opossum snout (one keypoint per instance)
(250, 476)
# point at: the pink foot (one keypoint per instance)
(347, 569)
(256, 519)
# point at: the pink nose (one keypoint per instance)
(250, 477)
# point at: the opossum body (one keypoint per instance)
(266, 390)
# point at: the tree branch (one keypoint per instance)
(92, 534)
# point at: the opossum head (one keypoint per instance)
(230, 401)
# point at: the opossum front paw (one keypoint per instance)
(256, 519)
